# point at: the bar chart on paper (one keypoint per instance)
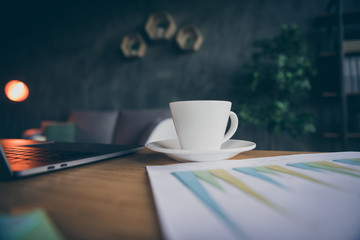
(308, 196)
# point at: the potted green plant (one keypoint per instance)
(276, 83)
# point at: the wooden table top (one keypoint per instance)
(105, 200)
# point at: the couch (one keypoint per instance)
(108, 127)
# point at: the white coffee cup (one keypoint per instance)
(201, 125)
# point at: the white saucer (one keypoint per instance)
(229, 149)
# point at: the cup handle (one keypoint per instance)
(233, 126)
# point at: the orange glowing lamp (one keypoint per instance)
(16, 91)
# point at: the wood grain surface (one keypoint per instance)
(105, 200)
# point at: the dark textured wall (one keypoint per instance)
(68, 53)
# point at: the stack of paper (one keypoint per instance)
(308, 196)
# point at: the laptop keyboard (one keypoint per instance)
(17, 154)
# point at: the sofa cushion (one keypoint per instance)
(94, 126)
(132, 124)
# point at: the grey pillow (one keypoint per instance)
(94, 126)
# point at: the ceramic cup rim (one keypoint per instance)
(199, 101)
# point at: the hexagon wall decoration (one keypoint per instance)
(133, 45)
(189, 39)
(160, 26)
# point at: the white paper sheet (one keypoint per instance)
(251, 203)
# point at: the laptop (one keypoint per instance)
(21, 158)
